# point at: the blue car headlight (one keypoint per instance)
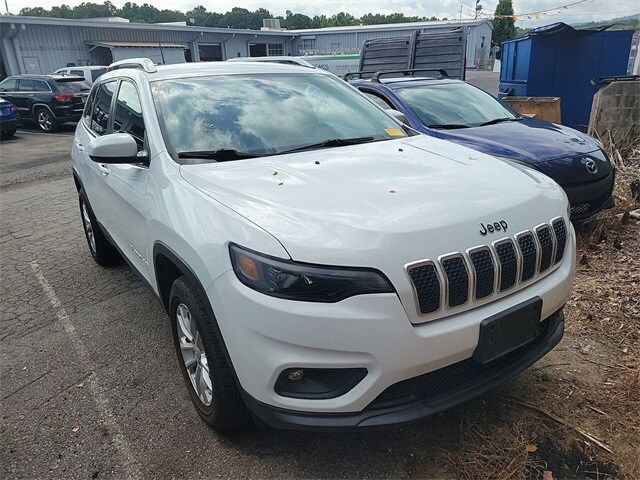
(302, 281)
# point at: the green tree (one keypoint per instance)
(296, 21)
(504, 24)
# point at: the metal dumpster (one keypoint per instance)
(560, 61)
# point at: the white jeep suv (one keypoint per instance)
(322, 265)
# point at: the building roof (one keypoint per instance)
(105, 23)
(393, 26)
(25, 20)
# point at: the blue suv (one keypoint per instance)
(460, 112)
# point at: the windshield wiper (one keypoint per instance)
(220, 155)
(499, 120)
(447, 126)
(332, 142)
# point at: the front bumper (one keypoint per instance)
(418, 398)
(266, 335)
(587, 199)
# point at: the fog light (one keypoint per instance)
(295, 375)
(318, 383)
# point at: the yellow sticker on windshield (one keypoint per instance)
(394, 132)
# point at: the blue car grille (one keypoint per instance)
(458, 278)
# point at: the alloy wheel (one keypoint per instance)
(193, 355)
(44, 120)
(88, 227)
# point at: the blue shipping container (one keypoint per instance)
(560, 61)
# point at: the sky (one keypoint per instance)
(582, 11)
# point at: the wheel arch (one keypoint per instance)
(168, 267)
(36, 107)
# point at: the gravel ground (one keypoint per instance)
(91, 386)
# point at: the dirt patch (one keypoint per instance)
(571, 465)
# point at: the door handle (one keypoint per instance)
(80, 147)
(104, 169)
(30, 94)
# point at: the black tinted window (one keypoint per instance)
(102, 104)
(26, 85)
(9, 85)
(127, 115)
(81, 86)
(77, 73)
(40, 86)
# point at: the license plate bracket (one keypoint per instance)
(508, 330)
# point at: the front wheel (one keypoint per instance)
(207, 375)
(46, 121)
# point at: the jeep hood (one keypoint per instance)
(403, 199)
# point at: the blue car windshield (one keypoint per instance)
(454, 104)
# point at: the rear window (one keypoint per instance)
(74, 86)
(96, 73)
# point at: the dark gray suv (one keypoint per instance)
(48, 100)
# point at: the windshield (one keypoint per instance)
(458, 104)
(265, 115)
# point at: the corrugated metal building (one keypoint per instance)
(42, 45)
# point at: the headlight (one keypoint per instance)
(304, 282)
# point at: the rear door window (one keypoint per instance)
(41, 86)
(76, 73)
(26, 85)
(9, 85)
(102, 107)
(127, 114)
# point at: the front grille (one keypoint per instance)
(546, 247)
(508, 264)
(457, 280)
(484, 271)
(475, 275)
(560, 231)
(435, 387)
(426, 282)
(529, 252)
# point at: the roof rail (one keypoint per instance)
(140, 63)
(376, 75)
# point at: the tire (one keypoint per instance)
(45, 120)
(197, 347)
(102, 251)
(7, 134)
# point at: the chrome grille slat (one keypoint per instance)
(481, 272)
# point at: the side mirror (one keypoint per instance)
(116, 148)
(397, 115)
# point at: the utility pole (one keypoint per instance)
(6, 5)
(478, 9)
